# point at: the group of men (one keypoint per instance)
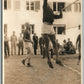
(48, 34)
(68, 47)
(17, 42)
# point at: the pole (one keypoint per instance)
(69, 5)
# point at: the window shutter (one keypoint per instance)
(51, 5)
(37, 6)
(68, 8)
(5, 28)
(9, 4)
(5, 4)
(76, 7)
(79, 7)
(16, 4)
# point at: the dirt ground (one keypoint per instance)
(40, 73)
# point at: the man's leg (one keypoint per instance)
(34, 49)
(79, 57)
(12, 46)
(22, 49)
(5, 48)
(15, 48)
(18, 50)
(46, 38)
(8, 48)
(41, 49)
(53, 40)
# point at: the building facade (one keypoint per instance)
(17, 12)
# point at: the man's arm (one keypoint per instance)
(58, 16)
(45, 3)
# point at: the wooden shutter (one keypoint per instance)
(37, 6)
(9, 4)
(5, 28)
(68, 8)
(16, 4)
(76, 7)
(5, 4)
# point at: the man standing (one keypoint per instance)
(48, 31)
(13, 43)
(41, 43)
(6, 45)
(27, 44)
(20, 45)
(35, 41)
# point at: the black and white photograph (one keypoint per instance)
(42, 41)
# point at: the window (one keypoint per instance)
(60, 29)
(5, 4)
(54, 6)
(61, 5)
(32, 5)
(27, 5)
(5, 28)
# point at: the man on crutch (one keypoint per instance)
(48, 31)
(27, 44)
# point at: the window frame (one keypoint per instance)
(59, 25)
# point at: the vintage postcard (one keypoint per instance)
(42, 42)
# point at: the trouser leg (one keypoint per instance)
(12, 46)
(53, 40)
(5, 49)
(51, 53)
(15, 48)
(22, 50)
(8, 48)
(46, 38)
(35, 50)
(18, 50)
(40, 49)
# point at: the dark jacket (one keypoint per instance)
(35, 39)
(48, 15)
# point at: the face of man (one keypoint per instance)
(13, 33)
(68, 39)
(35, 34)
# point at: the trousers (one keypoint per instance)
(6, 48)
(47, 38)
